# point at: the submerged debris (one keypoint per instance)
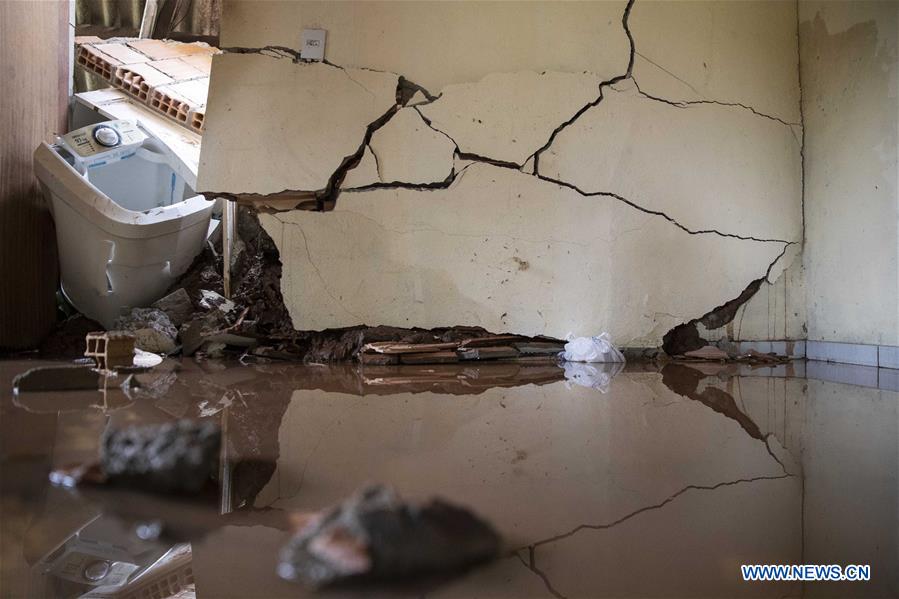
(376, 535)
(152, 329)
(173, 457)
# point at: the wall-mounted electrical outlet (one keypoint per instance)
(313, 46)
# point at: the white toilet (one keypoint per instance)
(128, 221)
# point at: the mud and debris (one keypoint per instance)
(375, 535)
(254, 325)
(385, 345)
(708, 352)
(176, 305)
(712, 353)
(255, 278)
(152, 329)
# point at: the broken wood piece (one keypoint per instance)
(436, 357)
(489, 340)
(393, 347)
(487, 353)
(709, 352)
(532, 360)
(539, 348)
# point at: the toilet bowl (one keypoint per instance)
(128, 222)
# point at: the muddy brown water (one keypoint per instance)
(658, 483)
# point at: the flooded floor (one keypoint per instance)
(657, 482)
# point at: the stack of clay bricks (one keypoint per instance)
(168, 76)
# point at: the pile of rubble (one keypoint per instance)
(195, 316)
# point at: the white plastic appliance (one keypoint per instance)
(128, 221)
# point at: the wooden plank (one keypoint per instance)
(440, 357)
(539, 348)
(395, 347)
(490, 340)
(34, 60)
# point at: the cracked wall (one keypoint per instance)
(526, 167)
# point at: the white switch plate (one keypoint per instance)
(313, 47)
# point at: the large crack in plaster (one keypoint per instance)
(686, 103)
(802, 124)
(406, 91)
(386, 223)
(685, 337)
(680, 64)
(301, 165)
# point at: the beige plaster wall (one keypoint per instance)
(436, 44)
(581, 197)
(849, 79)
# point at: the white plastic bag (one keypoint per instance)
(591, 349)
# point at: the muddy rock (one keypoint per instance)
(196, 331)
(177, 306)
(152, 329)
(175, 457)
(376, 535)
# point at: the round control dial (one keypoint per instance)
(96, 571)
(107, 136)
